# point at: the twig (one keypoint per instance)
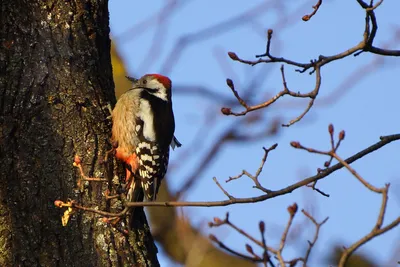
(366, 45)
(318, 190)
(377, 229)
(355, 174)
(322, 174)
(222, 189)
(312, 243)
(374, 7)
(258, 172)
(285, 91)
(310, 104)
(223, 246)
(236, 94)
(218, 222)
(315, 7)
(73, 204)
(77, 164)
(229, 135)
(292, 212)
(266, 258)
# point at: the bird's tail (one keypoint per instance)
(175, 143)
(135, 194)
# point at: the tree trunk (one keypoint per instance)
(56, 79)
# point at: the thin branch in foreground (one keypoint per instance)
(377, 229)
(222, 189)
(77, 164)
(218, 222)
(292, 212)
(255, 177)
(365, 45)
(266, 256)
(312, 186)
(236, 94)
(265, 259)
(312, 243)
(230, 134)
(277, 252)
(72, 206)
(285, 91)
(320, 175)
(298, 118)
(223, 246)
(315, 7)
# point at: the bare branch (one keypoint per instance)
(312, 95)
(292, 212)
(366, 45)
(223, 246)
(77, 164)
(312, 243)
(320, 175)
(315, 7)
(318, 190)
(222, 189)
(258, 172)
(377, 229)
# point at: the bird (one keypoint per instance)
(143, 127)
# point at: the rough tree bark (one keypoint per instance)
(55, 78)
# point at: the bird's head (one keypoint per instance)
(155, 84)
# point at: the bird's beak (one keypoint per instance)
(134, 80)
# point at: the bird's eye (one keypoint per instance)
(144, 81)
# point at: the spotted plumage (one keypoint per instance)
(143, 127)
(153, 164)
(155, 138)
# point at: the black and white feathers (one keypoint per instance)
(155, 126)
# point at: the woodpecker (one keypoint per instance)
(143, 129)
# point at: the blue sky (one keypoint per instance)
(365, 109)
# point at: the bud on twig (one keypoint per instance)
(217, 220)
(295, 144)
(213, 238)
(249, 249)
(330, 128)
(229, 82)
(58, 203)
(226, 111)
(326, 164)
(306, 18)
(261, 225)
(77, 160)
(341, 135)
(270, 32)
(292, 209)
(233, 56)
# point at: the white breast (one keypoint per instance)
(146, 115)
